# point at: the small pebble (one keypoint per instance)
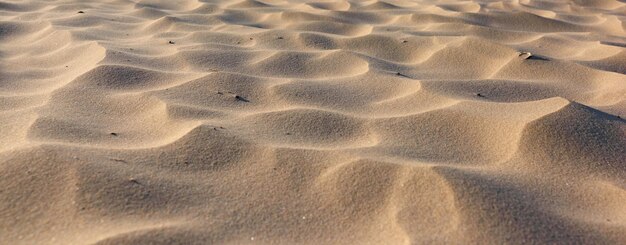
(480, 95)
(240, 98)
(171, 42)
(402, 75)
(114, 134)
(81, 12)
(525, 55)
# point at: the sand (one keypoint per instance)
(312, 122)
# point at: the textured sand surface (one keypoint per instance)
(371, 122)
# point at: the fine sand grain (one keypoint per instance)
(312, 121)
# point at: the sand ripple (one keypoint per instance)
(200, 122)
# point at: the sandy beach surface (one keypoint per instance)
(312, 122)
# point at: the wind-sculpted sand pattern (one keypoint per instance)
(368, 122)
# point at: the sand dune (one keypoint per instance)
(314, 121)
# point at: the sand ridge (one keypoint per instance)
(280, 121)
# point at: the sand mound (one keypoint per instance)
(333, 122)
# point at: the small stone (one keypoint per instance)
(241, 98)
(401, 75)
(525, 55)
(171, 42)
(280, 37)
(480, 95)
(405, 41)
(133, 180)
(114, 134)
(81, 12)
